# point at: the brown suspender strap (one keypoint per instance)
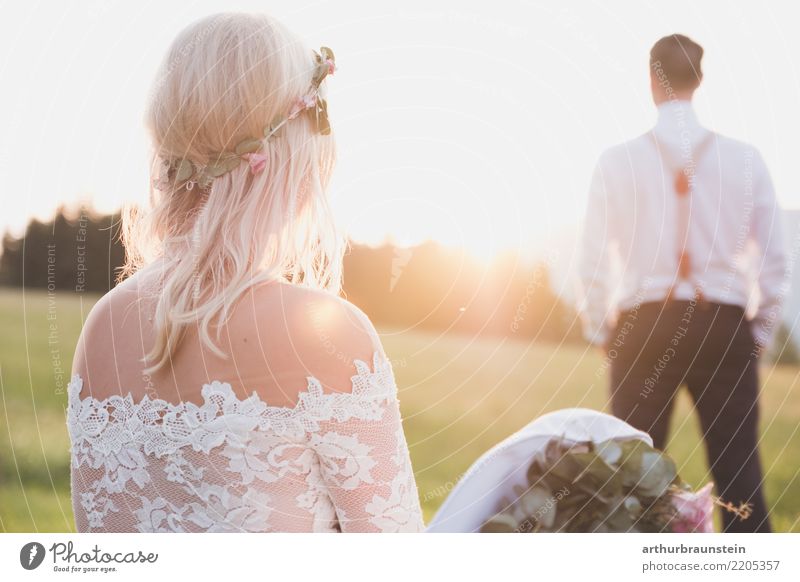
(682, 184)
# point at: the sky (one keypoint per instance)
(476, 124)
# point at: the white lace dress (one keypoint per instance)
(336, 461)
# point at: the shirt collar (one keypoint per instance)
(677, 117)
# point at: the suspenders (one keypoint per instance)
(682, 185)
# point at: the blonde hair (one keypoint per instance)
(222, 81)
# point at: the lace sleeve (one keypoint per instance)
(364, 457)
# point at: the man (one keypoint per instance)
(682, 209)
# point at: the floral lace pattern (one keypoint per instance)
(333, 462)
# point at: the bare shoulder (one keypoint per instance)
(106, 333)
(298, 307)
(117, 303)
(314, 332)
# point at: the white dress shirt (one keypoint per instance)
(734, 237)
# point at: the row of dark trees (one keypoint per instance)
(76, 251)
(427, 286)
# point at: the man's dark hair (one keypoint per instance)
(675, 61)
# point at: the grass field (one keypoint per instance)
(459, 397)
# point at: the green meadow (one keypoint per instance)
(459, 397)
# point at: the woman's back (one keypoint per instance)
(299, 430)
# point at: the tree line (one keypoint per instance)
(423, 287)
(427, 286)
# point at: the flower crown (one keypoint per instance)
(183, 171)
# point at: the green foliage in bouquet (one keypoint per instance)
(613, 486)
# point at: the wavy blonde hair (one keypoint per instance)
(222, 81)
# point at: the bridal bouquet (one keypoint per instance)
(611, 486)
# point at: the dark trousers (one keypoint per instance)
(658, 347)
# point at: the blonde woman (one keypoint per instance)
(223, 385)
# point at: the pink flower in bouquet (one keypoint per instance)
(257, 162)
(695, 510)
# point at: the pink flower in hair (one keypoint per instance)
(695, 511)
(257, 162)
(305, 102)
(161, 183)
